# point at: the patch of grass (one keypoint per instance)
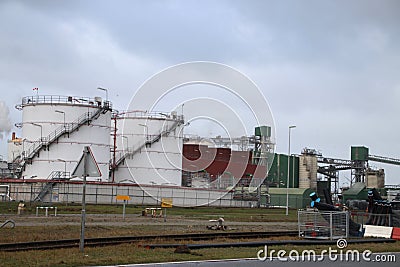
(131, 253)
(8, 207)
(202, 213)
(55, 232)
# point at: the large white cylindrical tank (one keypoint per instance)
(308, 167)
(64, 125)
(160, 161)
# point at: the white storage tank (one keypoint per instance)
(55, 130)
(149, 148)
(308, 167)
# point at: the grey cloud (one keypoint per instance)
(331, 67)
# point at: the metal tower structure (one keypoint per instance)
(358, 164)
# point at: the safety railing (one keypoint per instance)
(10, 222)
(54, 135)
(59, 99)
(365, 218)
(53, 178)
(147, 114)
(59, 175)
(150, 139)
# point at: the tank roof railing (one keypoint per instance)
(146, 114)
(59, 99)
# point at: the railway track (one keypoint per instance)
(104, 241)
(304, 242)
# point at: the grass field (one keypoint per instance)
(106, 220)
(206, 213)
(131, 253)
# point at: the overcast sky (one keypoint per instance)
(329, 67)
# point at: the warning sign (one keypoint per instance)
(166, 203)
(87, 165)
(123, 197)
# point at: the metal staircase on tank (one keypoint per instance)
(45, 142)
(53, 179)
(147, 143)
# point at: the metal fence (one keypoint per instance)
(365, 218)
(98, 193)
(323, 225)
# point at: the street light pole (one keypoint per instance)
(41, 130)
(62, 112)
(147, 130)
(65, 167)
(106, 90)
(127, 142)
(288, 177)
(23, 148)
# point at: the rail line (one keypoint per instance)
(104, 241)
(304, 242)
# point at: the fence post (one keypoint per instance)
(67, 191)
(298, 221)
(142, 197)
(112, 194)
(184, 196)
(347, 224)
(331, 225)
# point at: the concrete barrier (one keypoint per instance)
(396, 233)
(378, 231)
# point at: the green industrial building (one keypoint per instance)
(299, 198)
(357, 191)
(277, 176)
(359, 153)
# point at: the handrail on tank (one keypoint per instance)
(150, 139)
(67, 128)
(59, 99)
(146, 114)
(53, 135)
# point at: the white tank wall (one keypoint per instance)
(64, 154)
(159, 164)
